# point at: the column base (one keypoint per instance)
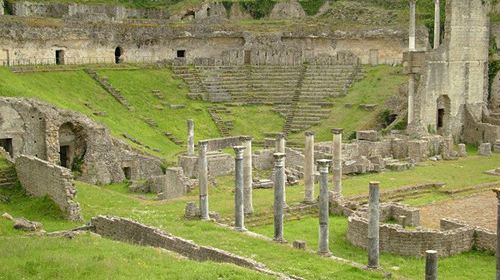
(280, 240)
(240, 229)
(325, 254)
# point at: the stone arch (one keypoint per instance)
(443, 115)
(72, 145)
(118, 55)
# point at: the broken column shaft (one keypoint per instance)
(247, 176)
(437, 24)
(239, 215)
(324, 248)
(203, 179)
(373, 225)
(190, 136)
(337, 161)
(431, 262)
(281, 148)
(279, 190)
(412, 25)
(309, 168)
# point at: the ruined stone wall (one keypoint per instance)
(34, 128)
(219, 164)
(455, 74)
(40, 178)
(133, 232)
(477, 132)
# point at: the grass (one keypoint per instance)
(380, 83)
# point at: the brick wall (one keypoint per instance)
(41, 178)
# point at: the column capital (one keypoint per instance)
(246, 138)
(190, 121)
(414, 1)
(203, 143)
(280, 135)
(374, 184)
(324, 164)
(279, 157)
(497, 191)
(337, 130)
(238, 150)
(309, 133)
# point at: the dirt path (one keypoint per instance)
(478, 210)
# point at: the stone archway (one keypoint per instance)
(72, 145)
(443, 115)
(118, 55)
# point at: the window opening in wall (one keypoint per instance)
(127, 172)
(208, 12)
(64, 156)
(181, 53)
(59, 57)
(6, 144)
(118, 55)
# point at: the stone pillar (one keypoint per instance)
(337, 161)
(373, 225)
(2, 5)
(281, 148)
(279, 190)
(431, 262)
(324, 248)
(309, 168)
(412, 25)
(239, 215)
(190, 137)
(437, 24)
(411, 97)
(247, 176)
(203, 179)
(497, 191)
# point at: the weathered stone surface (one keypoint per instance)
(40, 178)
(462, 150)
(484, 149)
(368, 135)
(287, 9)
(26, 225)
(191, 211)
(299, 244)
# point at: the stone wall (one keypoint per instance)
(219, 164)
(455, 75)
(40, 130)
(133, 232)
(40, 178)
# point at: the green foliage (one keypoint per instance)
(227, 5)
(493, 64)
(258, 8)
(311, 7)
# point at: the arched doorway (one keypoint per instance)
(72, 146)
(443, 115)
(118, 55)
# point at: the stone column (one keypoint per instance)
(190, 137)
(309, 168)
(431, 262)
(203, 179)
(2, 5)
(281, 148)
(373, 225)
(412, 25)
(247, 176)
(239, 215)
(337, 161)
(279, 190)
(411, 97)
(437, 24)
(497, 191)
(324, 248)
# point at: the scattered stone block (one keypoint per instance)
(7, 216)
(368, 135)
(100, 114)
(177, 106)
(368, 107)
(191, 211)
(299, 244)
(263, 184)
(462, 150)
(485, 149)
(496, 148)
(26, 225)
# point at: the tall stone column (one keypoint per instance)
(309, 168)
(190, 137)
(281, 148)
(239, 215)
(411, 97)
(437, 24)
(497, 191)
(324, 248)
(412, 32)
(203, 179)
(247, 176)
(337, 161)
(279, 190)
(431, 263)
(373, 225)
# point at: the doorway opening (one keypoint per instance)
(118, 55)
(247, 58)
(127, 172)
(181, 53)
(64, 156)
(59, 57)
(6, 144)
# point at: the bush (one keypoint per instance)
(259, 8)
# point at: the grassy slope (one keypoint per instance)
(380, 83)
(168, 215)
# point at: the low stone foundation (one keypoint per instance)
(133, 232)
(41, 178)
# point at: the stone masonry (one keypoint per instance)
(40, 178)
